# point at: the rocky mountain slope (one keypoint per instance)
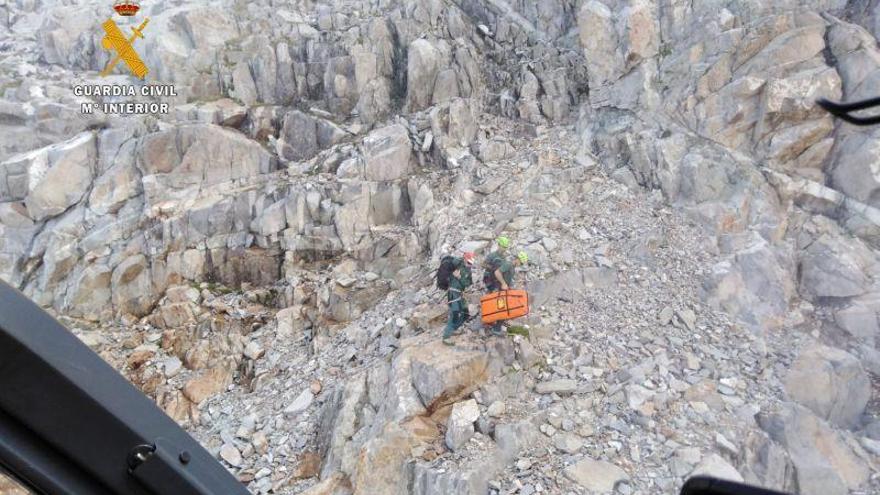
(703, 239)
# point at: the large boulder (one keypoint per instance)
(89, 294)
(369, 426)
(859, 320)
(423, 64)
(51, 179)
(598, 477)
(443, 375)
(717, 467)
(299, 136)
(387, 153)
(207, 384)
(826, 462)
(382, 467)
(460, 425)
(131, 286)
(831, 383)
(766, 463)
(832, 267)
(117, 185)
(512, 438)
(756, 285)
(471, 478)
(339, 421)
(856, 151)
(197, 155)
(454, 125)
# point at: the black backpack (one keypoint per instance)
(447, 266)
(492, 263)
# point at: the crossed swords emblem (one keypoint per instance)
(116, 41)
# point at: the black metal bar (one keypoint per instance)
(706, 485)
(843, 110)
(38, 466)
(78, 417)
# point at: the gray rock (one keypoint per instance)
(715, 466)
(423, 65)
(527, 355)
(726, 445)
(665, 316)
(231, 455)
(387, 153)
(831, 383)
(172, 366)
(568, 442)
(300, 403)
(688, 318)
(572, 281)
(512, 438)
(473, 477)
(830, 267)
(89, 293)
(496, 409)
(132, 286)
(51, 179)
(298, 139)
(254, 350)
(823, 459)
(872, 446)
(442, 375)
(460, 425)
(561, 387)
(637, 396)
(598, 477)
(860, 321)
(873, 430)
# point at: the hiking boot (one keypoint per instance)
(448, 342)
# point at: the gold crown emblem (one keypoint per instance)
(126, 8)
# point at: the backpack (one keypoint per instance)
(492, 263)
(444, 273)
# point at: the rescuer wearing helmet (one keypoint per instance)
(494, 261)
(503, 276)
(459, 280)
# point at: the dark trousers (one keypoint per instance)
(458, 314)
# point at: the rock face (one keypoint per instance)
(387, 154)
(401, 399)
(447, 375)
(831, 383)
(824, 460)
(828, 270)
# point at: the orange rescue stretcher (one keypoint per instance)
(504, 305)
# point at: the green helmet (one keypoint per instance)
(523, 257)
(503, 242)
